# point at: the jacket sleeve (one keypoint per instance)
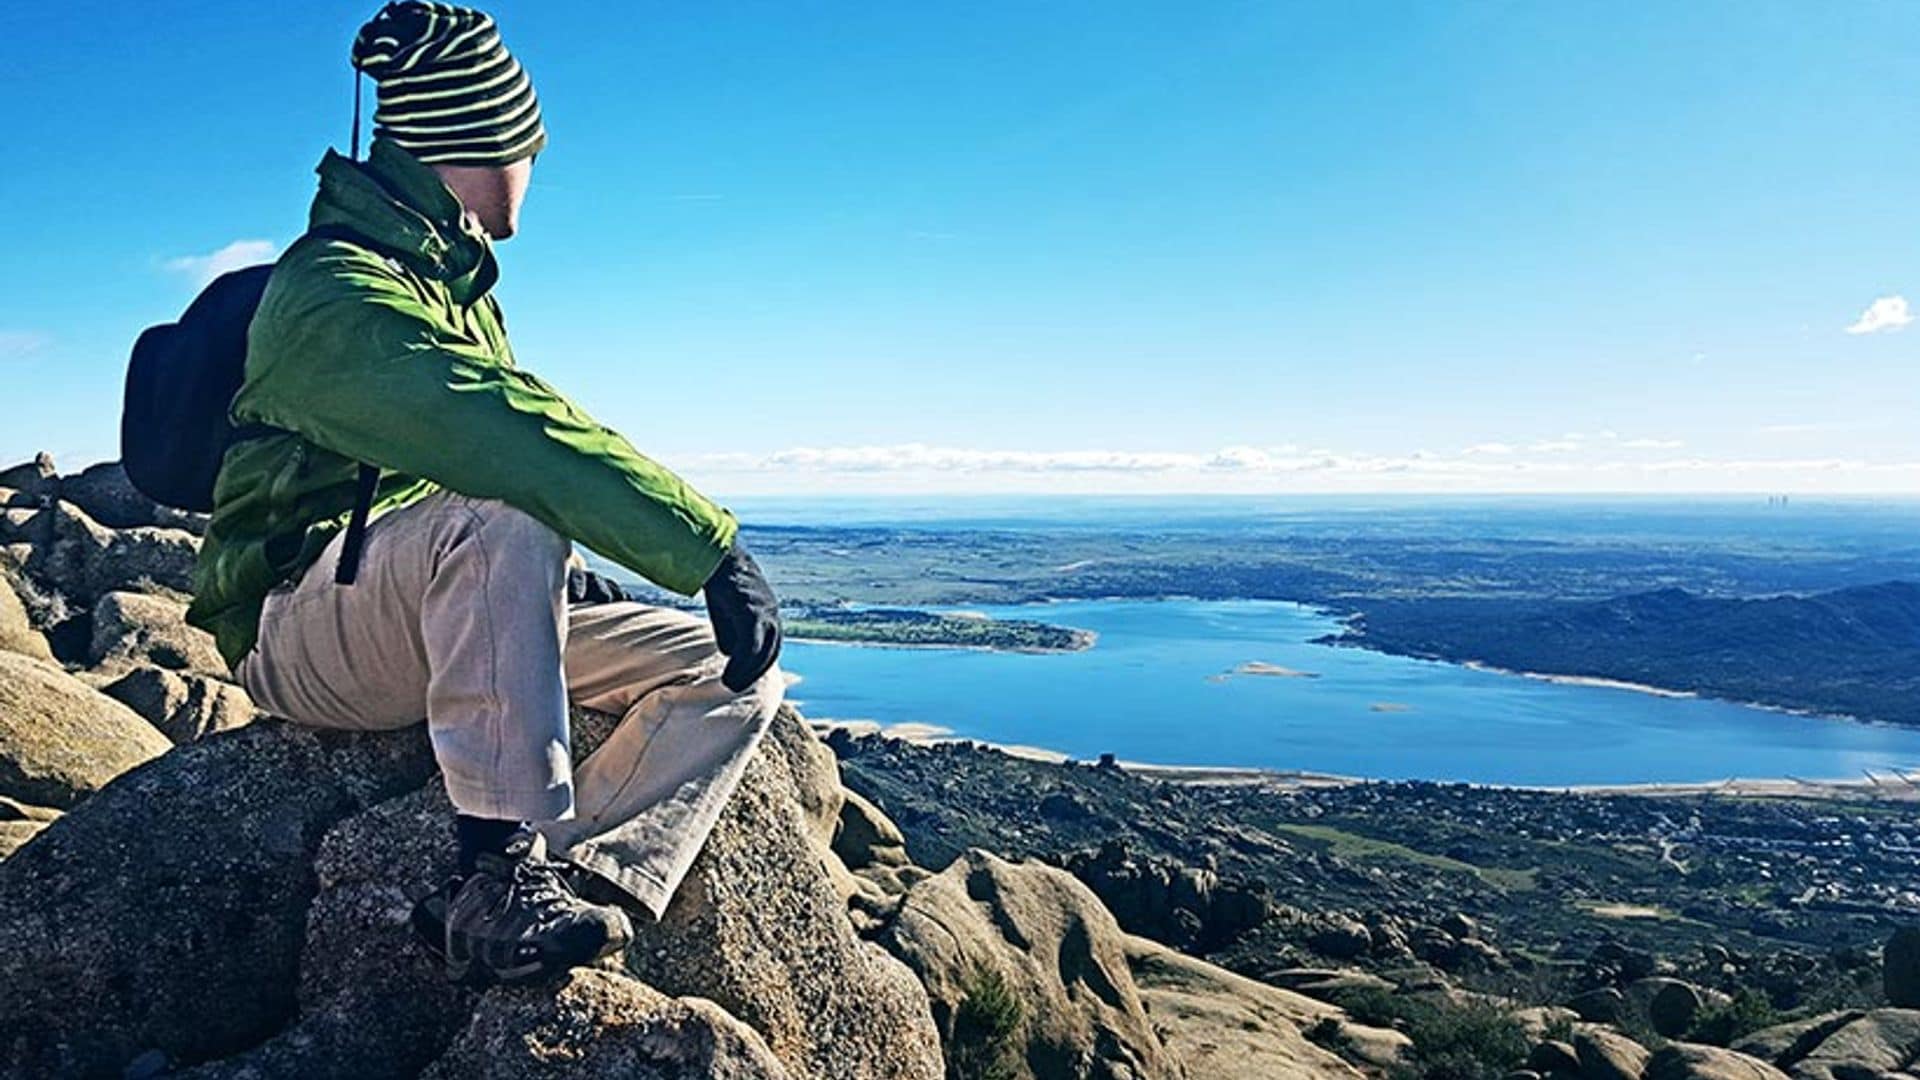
(342, 353)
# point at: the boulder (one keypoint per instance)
(599, 1024)
(1032, 946)
(1553, 1058)
(15, 834)
(815, 775)
(1784, 1044)
(878, 869)
(1689, 1061)
(21, 527)
(1901, 966)
(1537, 1021)
(1879, 1041)
(1621, 961)
(1217, 1023)
(133, 629)
(17, 633)
(15, 810)
(21, 822)
(371, 1003)
(1340, 937)
(105, 494)
(167, 912)
(1602, 1005)
(36, 479)
(1606, 1054)
(758, 928)
(60, 739)
(184, 707)
(86, 560)
(1671, 1005)
(1327, 984)
(1188, 907)
(866, 838)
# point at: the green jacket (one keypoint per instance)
(398, 357)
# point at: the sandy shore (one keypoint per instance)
(1084, 640)
(1873, 787)
(1584, 680)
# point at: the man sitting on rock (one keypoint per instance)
(379, 342)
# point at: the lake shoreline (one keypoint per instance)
(1599, 682)
(1018, 650)
(1293, 710)
(1901, 789)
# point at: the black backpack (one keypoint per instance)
(181, 380)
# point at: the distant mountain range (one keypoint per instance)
(1853, 651)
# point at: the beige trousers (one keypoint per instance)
(459, 615)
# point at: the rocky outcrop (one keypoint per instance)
(758, 928)
(600, 1024)
(61, 740)
(133, 630)
(104, 494)
(1606, 1054)
(186, 891)
(1687, 1061)
(33, 481)
(1600, 1005)
(1671, 1005)
(185, 883)
(1219, 1024)
(1900, 968)
(21, 822)
(88, 560)
(1786, 1043)
(1877, 1042)
(988, 928)
(17, 632)
(184, 707)
(1188, 907)
(271, 869)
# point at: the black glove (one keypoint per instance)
(586, 587)
(746, 618)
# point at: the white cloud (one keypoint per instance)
(1488, 448)
(1557, 446)
(204, 268)
(1886, 313)
(920, 467)
(21, 344)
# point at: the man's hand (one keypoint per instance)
(746, 618)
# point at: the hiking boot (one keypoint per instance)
(516, 919)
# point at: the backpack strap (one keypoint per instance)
(356, 538)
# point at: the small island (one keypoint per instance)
(927, 629)
(1276, 671)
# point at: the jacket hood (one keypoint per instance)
(404, 208)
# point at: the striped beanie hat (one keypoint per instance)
(450, 93)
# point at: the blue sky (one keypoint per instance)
(1102, 247)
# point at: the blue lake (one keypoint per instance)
(1152, 690)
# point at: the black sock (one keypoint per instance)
(474, 835)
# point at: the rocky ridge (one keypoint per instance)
(190, 888)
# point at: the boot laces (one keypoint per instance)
(539, 886)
